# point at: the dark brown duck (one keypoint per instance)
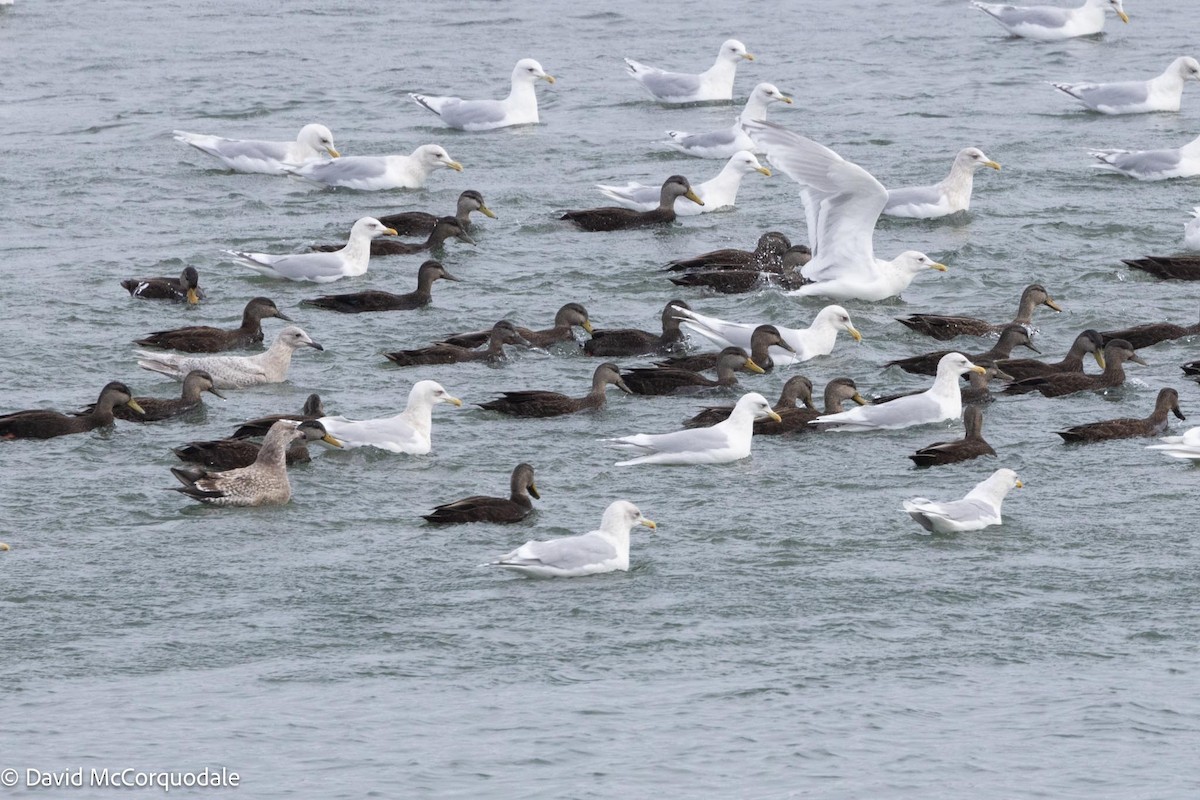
(205, 339)
(375, 300)
(481, 508)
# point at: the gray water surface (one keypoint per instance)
(786, 632)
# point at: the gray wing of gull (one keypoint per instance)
(570, 552)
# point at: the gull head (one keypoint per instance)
(432, 393)
(913, 261)
(733, 50)
(974, 158)
(757, 406)
(319, 138)
(1120, 9)
(623, 516)
(435, 155)
(530, 71)
(839, 318)
(371, 228)
(745, 162)
(295, 338)
(769, 91)
(1187, 67)
(957, 364)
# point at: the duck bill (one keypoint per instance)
(763, 170)
(454, 165)
(446, 276)
(1178, 413)
(624, 387)
(755, 368)
(1135, 358)
(1049, 303)
(463, 237)
(993, 164)
(193, 297)
(586, 325)
(1099, 359)
(854, 333)
(213, 390)
(695, 198)
(134, 405)
(858, 398)
(283, 316)
(487, 212)
(333, 153)
(648, 523)
(533, 492)
(332, 442)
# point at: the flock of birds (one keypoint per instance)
(842, 204)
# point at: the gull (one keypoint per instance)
(1163, 93)
(373, 173)
(941, 401)
(1185, 446)
(724, 143)
(718, 192)
(1152, 165)
(950, 195)
(410, 431)
(1050, 23)
(603, 550)
(842, 203)
(1191, 231)
(252, 155)
(234, 372)
(808, 343)
(979, 509)
(728, 440)
(350, 261)
(519, 108)
(715, 83)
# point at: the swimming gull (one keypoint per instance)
(410, 431)
(234, 372)
(724, 143)
(519, 108)
(941, 401)
(603, 550)
(1152, 165)
(252, 155)
(1051, 23)
(728, 440)
(715, 83)
(716, 193)
(842, 204)
(807, 343)
(949, 196)
(351, 260)
(373, 173)
(1162, 93)
(979, 509)
(1186, 446)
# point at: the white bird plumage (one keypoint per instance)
(1161, 93)
(1151, 165)
(410, 431)
(602, 550)
(1191, 231)
(941, 401)
(978, 509)
(726, 441)
(842, 204)
(252, 155)
(519, 108)
(717, 192)
(950, 195)
(1185, 446)
(376, 173)
(234, 372)
(817, 339)
(1051, 23)
(724, 143)
(715, 83)
(350, 261)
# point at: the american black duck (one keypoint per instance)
(1153, 425)
(503, 332)
(761, 340)
(673, 380)
(1151, 333)
(185, 288)
(481, 508)
(1089, 341)
(792, 418)
(972, 445)
(553, 404)
(1012, 336)
(767, 255)
(313, 409)
(155, 409)
(633, 342)
(568, 317)
(205, 339)
(730, 280)
(615, 218)
(233, 453)
(945, 328)
(46, 424)
(1185, 267)
(1116, 353)
(374, 300)
(421, 223)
